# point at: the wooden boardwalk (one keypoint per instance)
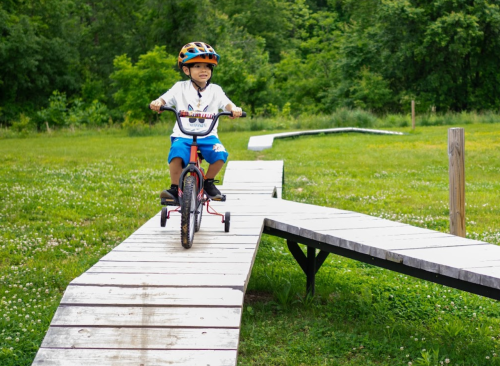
(262, 142)
(151, 302)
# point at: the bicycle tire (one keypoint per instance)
(188, 212)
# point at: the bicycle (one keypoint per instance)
(192, 197)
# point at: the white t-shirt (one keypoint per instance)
(184, 97)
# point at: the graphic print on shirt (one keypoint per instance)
(193, 120)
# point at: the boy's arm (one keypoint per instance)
(236, 110)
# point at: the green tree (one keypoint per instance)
(136, 85)
(38, 54)
(305, 73)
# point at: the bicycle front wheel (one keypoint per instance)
(188, 212)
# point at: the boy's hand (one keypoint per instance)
(237, 112)
(156, 104)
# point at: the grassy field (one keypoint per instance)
(67, 199)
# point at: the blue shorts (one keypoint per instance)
(210, 147)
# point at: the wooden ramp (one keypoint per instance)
(151, 302)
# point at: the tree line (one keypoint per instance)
(88, 62)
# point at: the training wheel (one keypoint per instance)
(227, 221)
(164, 215)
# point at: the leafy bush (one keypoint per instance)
(138, 84)
(24, 125)
(55, 113)
(95, 114)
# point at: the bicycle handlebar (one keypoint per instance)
(212, 116)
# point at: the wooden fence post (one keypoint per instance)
(413, 114)
(456, 155)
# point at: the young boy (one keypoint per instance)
(196, 60)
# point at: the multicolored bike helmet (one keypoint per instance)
(195, 52)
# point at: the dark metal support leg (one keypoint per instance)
(310, 264)
(311, 270)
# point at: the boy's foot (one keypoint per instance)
(210, 188)
(170, 195)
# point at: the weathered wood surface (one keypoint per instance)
(151, 302)
(473, 261)
(137, 316)
(152, 296)
(258, 143)
(140, 357)
(456, 157)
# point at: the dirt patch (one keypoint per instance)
(252, 297)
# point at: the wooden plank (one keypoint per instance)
(173, 245)
(245, 165)
(449, 261)
(170, 235)
(368, 247)
(487, 275)
(168, 267)
(161, 280)
(256, 177)
(123, 357)
(201, 238)
(142, 338)
(169, 247)
(160, 247)
(152, 296)
(184, 257)
(138, 316)
(341, 223)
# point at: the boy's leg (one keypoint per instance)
(209, 184)
(214, 169)
(216, 155)
(177, 157)
(172, 194)
(175, 168)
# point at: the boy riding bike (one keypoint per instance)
(197, 60)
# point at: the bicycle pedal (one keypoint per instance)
(168, 202)
(221, 198)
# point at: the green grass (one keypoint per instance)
(67, 199)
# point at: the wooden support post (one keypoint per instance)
(311, 270)
(310, 264)
(456, 155)
(413, 114)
